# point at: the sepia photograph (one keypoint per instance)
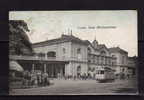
(83, 52)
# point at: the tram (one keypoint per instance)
(105, 74)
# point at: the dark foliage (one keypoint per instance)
(19, 42)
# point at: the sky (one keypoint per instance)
(112, 28)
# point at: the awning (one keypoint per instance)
(13, 65)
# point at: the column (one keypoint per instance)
(45, 68)
(61, 70)
(33, 68)
(52, 70)
(45, 55)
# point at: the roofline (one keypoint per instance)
(123, 51)
(56, 41)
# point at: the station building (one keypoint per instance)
(82, 56)
(72, 56)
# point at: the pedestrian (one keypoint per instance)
(33, 79)
(38, 75)
(84, 76)
(24, 79)
(46, 82)
(74, 77)
(39, 78)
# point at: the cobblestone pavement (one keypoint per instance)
(81, 87)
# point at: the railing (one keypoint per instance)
(16, 57)
(19, 57)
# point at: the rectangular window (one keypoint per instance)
(97, 60)
(102, 72)
(102, 60)
(123, 58)
(64, 50)
(78, 51)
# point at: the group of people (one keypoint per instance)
(35, 79)
(122, 76)
(79, 76)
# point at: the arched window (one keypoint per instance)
(103, 53)
(51, 54)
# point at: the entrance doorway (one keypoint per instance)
(56, 70)
(78, 71)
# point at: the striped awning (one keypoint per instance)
(13, 65)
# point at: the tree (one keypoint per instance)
(19, 42)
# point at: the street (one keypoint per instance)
(81, 87)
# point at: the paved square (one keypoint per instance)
(81, 87)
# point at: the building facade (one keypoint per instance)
(132, 66)
(69, 56)
(121, 61)
(66, 48)
(82, 56)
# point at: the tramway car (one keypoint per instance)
(105, 74)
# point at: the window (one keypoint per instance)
(78, 69)
(103, 53)
(89, 50)
(106, 60)
(109, 61)
(102, 60)
(89, 61)
(95, 59)
(98, 60)
(112, 63)
(64, 50)
(89, 68)
(123, 58)
(41, 54)
(79, 51)
(102, 72)
(123, 69)
(51, 54)
(113, 56)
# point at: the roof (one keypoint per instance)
(63, 38)
(101, 46)
(117, 49)
(89, 43)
